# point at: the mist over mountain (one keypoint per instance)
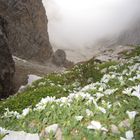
(80, 23)
(92, 95)
(131, 36)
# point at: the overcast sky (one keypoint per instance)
(79, 23)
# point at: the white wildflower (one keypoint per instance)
(102, 109)
(78, 118)
(64, 100)
(42, 104)
(89, 112)
(109, 105)
(99, 95)
(125, 71)
(129, 135)
(2, 130)
(106, 78)
(132, 114)
(136, 92)
(128, 91)
(109, 91)
(25, 111)
(42, 83)
(121, 138)
(101, 89)
(52, 84)
(9, 114)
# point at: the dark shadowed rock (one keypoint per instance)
(28, 39)
(7, 68)
(27, 29)
(59, 59)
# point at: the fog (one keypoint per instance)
(79, 23)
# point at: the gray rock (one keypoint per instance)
(7, 66)
(59, 57)
(27, 29)
(55, 129)
(13, 135)
(114, 129)
(114, 54)
(52, 128)
(58, 134)
(125, 124)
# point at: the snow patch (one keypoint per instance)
(32, 78)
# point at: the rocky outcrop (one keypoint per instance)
(28, 40)
(114, 54)
(7, 68)
(27, 29)
(59, 59)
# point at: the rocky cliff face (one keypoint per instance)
(27, 29)
(27, 39)
(7, 68)
(130, 36)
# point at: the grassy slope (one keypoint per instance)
(60, 85)
(57, 85)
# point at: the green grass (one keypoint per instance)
(135, 52)
(57, 85)
(2, 136)
(60, 85)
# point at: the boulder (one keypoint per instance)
(18, 135)
(55, 129)
(59, 59)
(7, 67)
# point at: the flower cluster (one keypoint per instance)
(94, 99)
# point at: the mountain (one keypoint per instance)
(27, 29)
(131, 36)
(28, 40)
